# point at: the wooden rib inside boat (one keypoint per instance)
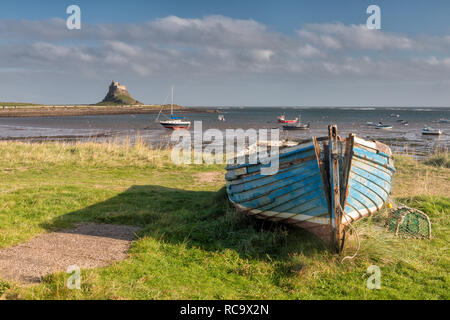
(322, 185)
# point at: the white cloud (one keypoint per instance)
(216, 45)
(359, 37)
(435, 62)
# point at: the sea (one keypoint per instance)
(401, 138)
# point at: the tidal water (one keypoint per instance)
(349, 120)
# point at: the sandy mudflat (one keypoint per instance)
(86, 246)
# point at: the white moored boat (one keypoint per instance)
(431, 131)
(383, 126)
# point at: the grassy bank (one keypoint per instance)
(18, 104)
(15, 110)
(193, 245)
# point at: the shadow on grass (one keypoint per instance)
(195, 218)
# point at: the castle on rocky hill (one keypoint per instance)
(118, 94)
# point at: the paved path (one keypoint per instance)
(87, 246)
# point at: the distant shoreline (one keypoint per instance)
(86, 110)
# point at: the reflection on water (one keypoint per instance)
(401, 138)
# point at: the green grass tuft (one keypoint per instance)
(439, 160)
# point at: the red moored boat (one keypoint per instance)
(282, 119)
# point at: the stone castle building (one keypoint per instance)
(118, 94)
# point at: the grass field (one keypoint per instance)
(17, 104)
(192, 245)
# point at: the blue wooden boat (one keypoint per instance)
(321, 186)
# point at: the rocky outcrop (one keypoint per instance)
(118, 95)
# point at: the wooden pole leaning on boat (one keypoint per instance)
(335, 198)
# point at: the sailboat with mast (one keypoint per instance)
(174, 123)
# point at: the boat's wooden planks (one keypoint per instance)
(294, 218)
(311, 199)
(368, 144)
(304, 169)
(374, 190)
(351, 214)
(291, 196)
(375, 158)
(363, 195)
(374, 166)
(292, 157)
(372, 175)
(272, 198)
(311, 205)
(314, 212)
(369, 182)
(254, 174)
(283, 153)
(359, 206)
(234, 174)
(252, 192)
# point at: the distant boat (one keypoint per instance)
(442, 120)
(221, 117)
(174, 123)
(393, 115)
(431, 131)
(371, 124)
(322, 185)
(383, 126)
(282, 119)
(297, 126)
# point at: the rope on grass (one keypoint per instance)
(359, 244)
(357, 239)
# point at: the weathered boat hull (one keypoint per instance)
(295, 195)
(321, 186)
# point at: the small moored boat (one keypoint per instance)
(282, 119)
(174, 123)
(383, 126)
(322, 185)
(297, 127)
(431, 131)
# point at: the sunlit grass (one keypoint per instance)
(192, 244)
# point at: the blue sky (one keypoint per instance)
(231, 52)
(419, 16)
